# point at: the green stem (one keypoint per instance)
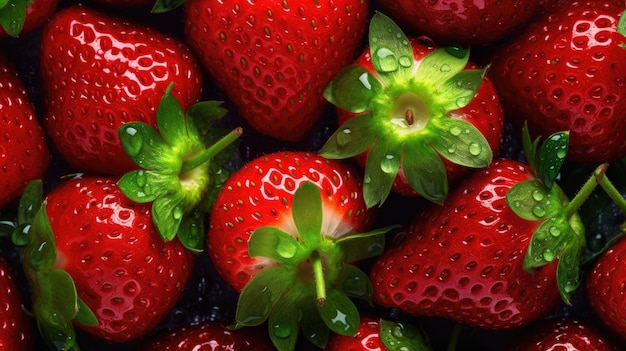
(454, 338)
(318, 273)
(209, 153)
(613, 193)
(584, 193)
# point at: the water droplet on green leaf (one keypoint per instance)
(475, 149)
(452, 149)
(388, 164)
(539, 211)
(405, 61)
(445, 68)
(282, 331)
(456, 51)
(344, 137)
(387, 60)
(548, 255)
(538, 195)
(177, 213)
(462, 101)
(456, 131)
(136, 141)
(286, 249)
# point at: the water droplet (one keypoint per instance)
(389, 164)
(475, 149)
(387, 60)
(561, 153)
(363, 78)
(456, 131)
(136, 141)
(367, 179)
(177, 213)
(445, 68)
(374, 40)
(538, 195)
(286, 249)
(141, 179)
(344, 137)
(548, 255)
(570, 286)
(554, 231)
(282, 331)
(462, 101)
(405, 61)
(456, 51)
(539, 211)
(147, 189)
(452, 149)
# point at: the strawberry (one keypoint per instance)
(99, 72)
(282, 233)
(493, 255)
(22, 16)
(413, 114)
(604, 288)
(563, 334)
(215, 336)
(16, 331)
(274, 58)
(24, 153)
(466, 23)
(564, 73)
(380, 335)
(94, 260)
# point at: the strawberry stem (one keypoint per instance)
(612, 191)
(209, 153)
(586, 190)
(320, 282)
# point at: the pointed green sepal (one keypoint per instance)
(191, 229)
(353, 89)
(532, 201)
(551, 156)
(381, 168)
(398, 336)
(458, 91)
(307, 213)
(390, 49)
(425, 171)
(461, 143)
(275, 244)
(355, 283)
(366, 245)
(339, 313)
(13, 15)
(352, 138)
(284, 322)
(259, 296)
(442, 64)
(313, 327)
(161, 6)
(30, 201)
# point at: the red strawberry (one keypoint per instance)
(469, 23)
(22, 16)
(605, 288)
(16, 332)
(274, 58)
(95, 259)
(564, 72)
(281, 232)
(563, 334)
(24, 153)
(380, 335)
(486, 258)
(413, 114)
(209, 336)
(99, 72)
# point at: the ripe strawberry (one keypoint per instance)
(99, 72)
(467, 23)
(214, 336)
(486, 258)
(380, 335)
(282, 232)
(604, 288)
(564, 72)
(94, 259)
(24, 153)
(22, 16)
(16, 332)
(563, 334)
(274, 58)
(413, 114)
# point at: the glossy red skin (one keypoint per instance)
(367, 338)
(16, 327)
(273, 90)
(605, 288)
(37, 13)
(260, 193)
(469, 22)
(463, 261)
(211, 336)
(99, 72)
(122, 268)
(484, 112)
(566, 72)
(24, 153)
(563, 335)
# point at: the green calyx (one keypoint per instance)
(161, 6)
(55, 302)
(181, 168)
(310, 287)
(398, 336)
(403, 115)
(12, 15)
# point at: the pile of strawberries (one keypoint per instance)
(305, 175)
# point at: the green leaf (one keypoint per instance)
(307, 213)
(202, 115)
(353, 89)
(284, 322)
(425, 171)
(167, 214)
(390, 49)
(551, 156)
(191, 231)
(547, 242)
(275, 244)
(621, 25)
(85, 315)
(568, 273)
(353, 137)
(357, 247)
(461, 143)
(161, 6)
(3, 3)
(381, 168)
(531, 200)
(530, 147)
(442, 64)
(141, 186)
(459, 90)
(30, 202)
(313, 327)
(339, 313)
(40, 252)
(147, 149)
(398, 336)
(258, 297)
(354, 283)
(12, 16)
(171, 120)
